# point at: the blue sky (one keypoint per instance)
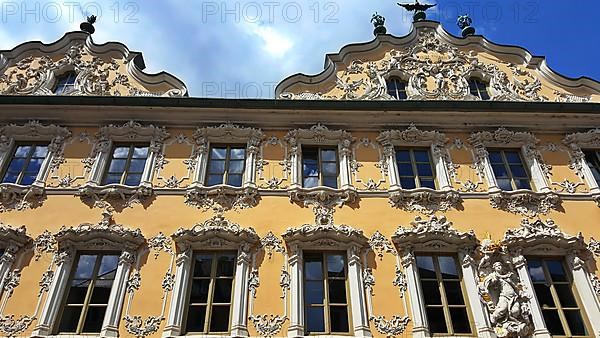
(244, 48)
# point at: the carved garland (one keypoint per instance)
(576, 142)
(137, 325)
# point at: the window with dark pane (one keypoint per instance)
(319, 167)
(126, 164)
(25, 164)
(65, 83)
(593, 160)
(89, 287)
(210, 292)
(443, 293)
(556, 296)
(509, 169)
(226, 165)
(415, 168)
(325, 293)
(479, 89)
(396, 88)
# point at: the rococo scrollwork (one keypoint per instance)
(434, 70)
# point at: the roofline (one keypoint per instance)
(530, 59)
(198, 102)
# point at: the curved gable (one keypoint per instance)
(436, 66)
(34, 68)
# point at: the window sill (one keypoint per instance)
(425, 200)
(223, 196)
(20, 197)
(115, 194)
(525, 202)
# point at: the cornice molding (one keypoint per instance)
(433, 233)
(216, 232)
(325, 236)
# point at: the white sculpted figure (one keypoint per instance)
(509, 307)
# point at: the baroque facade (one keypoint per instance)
(424, 185)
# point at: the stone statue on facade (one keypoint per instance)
(507, 302)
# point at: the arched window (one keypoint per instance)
(65, 83)
(396, 88)
(479, 88)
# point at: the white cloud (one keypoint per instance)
(273, 42)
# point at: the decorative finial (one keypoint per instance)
(88, 25)
(418, 8)
(378, 21)
(464, 22)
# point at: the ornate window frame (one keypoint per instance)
(320, 135)
(226, 196)
(99, 158)
(16, 196)
(12, 241)
(216, 233)
(420, 199)
(539, 238)
(524, 201)
(436, 234)
(327, 237)
(576, 143)
(104, 235)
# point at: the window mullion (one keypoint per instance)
(211, 290)
(508, 170)
(88, 296)
(326, 294)
(445, 307)
(226, 166)
(25, 164)
(127, 164)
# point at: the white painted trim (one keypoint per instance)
(480, 314)
(110, 325)
(420, 327)
(538, 178)
(179, 295)
(540, 330)
(52, 306)
(583, 284)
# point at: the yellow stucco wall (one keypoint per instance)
(276, 213)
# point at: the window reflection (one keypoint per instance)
(211, 292)
(226, 165)
(509, 170)
(443, 294)
(126, 165)
(319, 167)
(25, 164)
(555, 294)
(89, 290)
(415, 168)
(325, 293)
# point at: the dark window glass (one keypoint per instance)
(511, 173)
(443, 294)
(319, 167)
(126, 164)
(396, 88)
(554, 292)
(226, 165)
(65, 83)
(25, 164)
(325, 293)
(87, 298)
(478, 89)
(415, 168)
(593, 160)
(211, 288)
